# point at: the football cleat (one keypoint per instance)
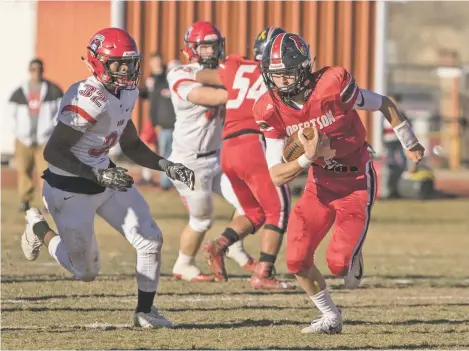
(191, 273)
(264, 279)
(354, 276)
(325, 324)
(250, 266)
(30, 243)
(214, 255)
(154, 319)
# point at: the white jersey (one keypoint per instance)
(198, 128)
(89, 108)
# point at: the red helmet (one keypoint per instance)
(203, 32)
(114, 47)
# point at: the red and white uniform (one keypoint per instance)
(243, 153)
(88, 107)
(196, 144)
(341, 189)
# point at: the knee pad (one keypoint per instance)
(147, 237)
(200, 225)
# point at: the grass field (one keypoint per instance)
(415, 295)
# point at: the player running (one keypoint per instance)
(197, 142)
(243, 162)
(341, 183)
(81, 181)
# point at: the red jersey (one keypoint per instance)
(244, 84)
(330, 109)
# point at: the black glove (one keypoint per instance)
(177, 171)
(114, 178)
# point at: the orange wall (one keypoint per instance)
(63, 31)
(339, 32)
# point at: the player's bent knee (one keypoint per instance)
(200, 225)
(147, 237)
(257, 219)
(88, 275)
(337, 269)
(274, 228)
(297, 266)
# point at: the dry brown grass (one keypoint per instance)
(415, 294)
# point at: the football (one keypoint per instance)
(293, 147)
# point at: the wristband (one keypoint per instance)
(303, 161)
(406, 135)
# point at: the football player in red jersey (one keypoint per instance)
(243, 162)
(341, 183)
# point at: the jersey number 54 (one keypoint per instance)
(243, 85)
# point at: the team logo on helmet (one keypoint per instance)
(96, 42)
(300, 45)
(263, 35)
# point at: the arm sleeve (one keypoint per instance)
(274, 151)
(78, 111)
(349, 90)
(181, 81)
(368, 101)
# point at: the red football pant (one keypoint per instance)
(313, 216)
(243, 162)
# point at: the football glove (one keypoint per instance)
(114, 178)
(179, 172)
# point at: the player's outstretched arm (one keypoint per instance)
(403, 130)
(370, 101)
(59, 154)
(208, 96)
(135, 149)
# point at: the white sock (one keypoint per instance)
(324, 303)
(184, 260)
(236, 252)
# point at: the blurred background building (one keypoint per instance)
(386, 45)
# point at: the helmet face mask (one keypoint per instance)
(124, 71)
(114, 59)
(288, 82)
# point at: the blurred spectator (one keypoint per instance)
(162, 114)
(33, 107)
(394, 150)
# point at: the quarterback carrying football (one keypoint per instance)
(81, 181)
(262, 203)
(341, 184)
(196, 142)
